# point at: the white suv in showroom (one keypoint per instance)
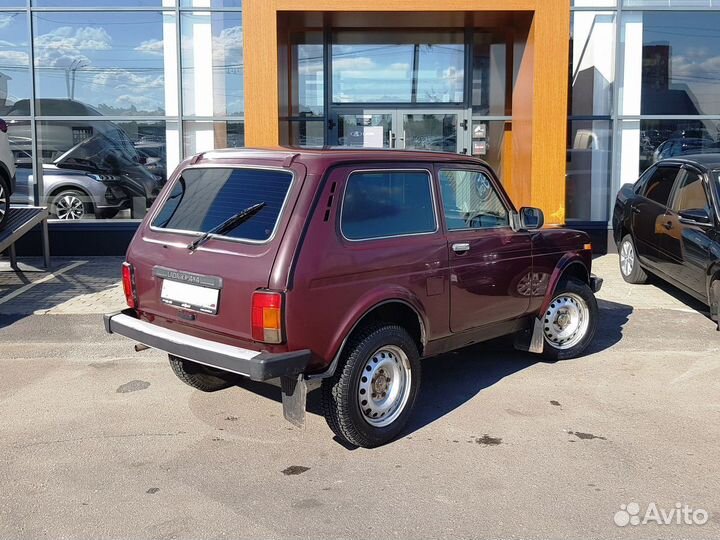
(7, 173)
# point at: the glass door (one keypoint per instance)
(402, 129)
(363, 129)
(438, 131)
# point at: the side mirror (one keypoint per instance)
(531, 218)
(697, 216)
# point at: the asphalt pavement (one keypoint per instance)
(98, 441)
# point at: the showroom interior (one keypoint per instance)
(103, 98)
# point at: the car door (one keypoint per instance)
(649, 209)
(488, 260)
(685, 245)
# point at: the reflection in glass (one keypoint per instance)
(102, 3)
(365, 130)
(588, 170)
(437, 132)
(211, 3)
(662, 139)
(304, 133)
(593, 71)
(101, 169)
(494, 144)
(680, 55)
(21, 147)
(204, 136)
(308, 91)
(113, 63)
(398, 67)
(489, 72)
(212, 63)
(14, 60)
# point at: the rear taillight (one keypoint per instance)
(267, 316)
(128, 281)
(3, 126)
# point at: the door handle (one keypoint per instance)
(635, 209)
(461, 248)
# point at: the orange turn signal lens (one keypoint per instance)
(587, 247)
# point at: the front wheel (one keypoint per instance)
(71, 205)
(370, 398)
(570, 320)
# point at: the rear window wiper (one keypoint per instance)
(227, 225)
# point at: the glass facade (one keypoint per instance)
(103, 98)
(643, 87)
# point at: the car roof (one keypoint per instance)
(333, 155)
(710, 161)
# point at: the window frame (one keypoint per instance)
(160, 204)
(433, 197)
(686, 171)
(671, 193)
(509, 208)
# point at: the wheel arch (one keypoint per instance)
(395, 310)
(570, 265)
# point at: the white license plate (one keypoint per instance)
(187, 296)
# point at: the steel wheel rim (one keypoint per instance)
(566, 321)
(384, 386)
(3, 203)
(627, 258)
(69, 207)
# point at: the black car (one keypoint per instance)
(668, 224)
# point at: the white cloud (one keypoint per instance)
(141, 103)
(6, 20)
(14, 59)
(63, 46)
(360, 63)
(228, 47)
(127, 81)
(151, 46)
(400, 66)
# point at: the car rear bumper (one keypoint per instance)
(595, 283)
(258, 366)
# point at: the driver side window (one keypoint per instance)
(470, 201)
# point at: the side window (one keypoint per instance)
(471, 202)
(659, 185)
(691, 194)
(378, 204)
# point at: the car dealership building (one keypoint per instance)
(103, 98)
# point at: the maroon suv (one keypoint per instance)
(347, 266)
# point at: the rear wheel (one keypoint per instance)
(570, 321)
(198, 376)
(630, 267)
(4, 200)
(370, 398)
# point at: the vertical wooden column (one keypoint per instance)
(260, 52)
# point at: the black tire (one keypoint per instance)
(630, 268)
(198, 376)
(4, 200)
(571, 294)
(71, 205)
(341, 393)
(106, 213)
(714, 301)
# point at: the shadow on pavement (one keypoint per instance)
(679, 295)
(450, 380)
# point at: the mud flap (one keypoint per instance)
(294, 397)
(531, 340)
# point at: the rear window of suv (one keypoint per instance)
(203, 198)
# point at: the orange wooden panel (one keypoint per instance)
(537, 155)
